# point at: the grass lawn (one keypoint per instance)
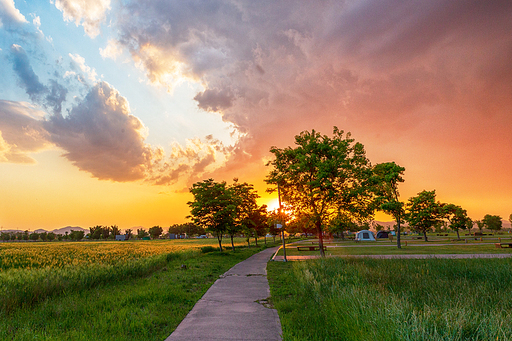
(401, 299)
(145, 300)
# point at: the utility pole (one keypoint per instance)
(282, 222)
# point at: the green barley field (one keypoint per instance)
(134, 290)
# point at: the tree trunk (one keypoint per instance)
(219, 238)
(256, 241)
(320, 237)
(232, 244)
(425, 234)
(457, 234)
(398, 233)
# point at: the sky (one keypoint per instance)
(111, 109)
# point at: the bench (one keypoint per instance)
(310, 248)
(502, 245)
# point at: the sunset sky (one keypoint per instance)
(110, 110)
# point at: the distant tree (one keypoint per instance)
(469, 225)
(457, 217)
(321, 176)
(387, 177)
(510, 219)
(492, 222)
(43, 236)
(114, 231)
(243, 197)
(128, 234)
(340, 224)
(423, 212)
(141, 233)
(95, 232)
(155, 232)
(24, 236)
(33, 236)
(480, 225)
(257, 223)
(51, 236)
(105, 232)
(213, 208)
(76, 235)
(5, 236)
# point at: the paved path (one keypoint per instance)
(234, 308)
(417, 256)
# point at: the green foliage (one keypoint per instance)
(155, 232)
(492, 222)
(213, 208)
(190, 229)
(370, 299)
(423, 212)
(141, 233)
(323, 176)
(458, 218)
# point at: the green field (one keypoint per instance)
(401, 299)
(106, 290)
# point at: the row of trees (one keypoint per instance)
(227, 209)
(44, 236)
(325, 182)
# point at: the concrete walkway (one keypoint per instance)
(410, 256)
(234, 308)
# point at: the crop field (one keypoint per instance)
(135, 290)
(31, 272)
(62, 254)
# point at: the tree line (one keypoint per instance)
(326, 184)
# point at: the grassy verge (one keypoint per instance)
(370, 299)
(376, 249)
(147, 307)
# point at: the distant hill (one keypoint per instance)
(68, 229)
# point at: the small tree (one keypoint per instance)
(114, 231)
(387, 177)
(423, 212)
(480, 225)
(128, 234)
(457, 217)
(213, 208)
(141, 233)
(492, 222)
(51, 236)
(155, 232)
(33, 236)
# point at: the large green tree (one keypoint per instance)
(423, 212)
(492, 222)
(322, 176)
(387, 177)
(212, 208)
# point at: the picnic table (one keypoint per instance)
(310, 248)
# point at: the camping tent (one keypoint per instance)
(382, 234)
(365, 235)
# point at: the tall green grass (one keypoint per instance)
(402, 299)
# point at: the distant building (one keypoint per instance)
(121, 237)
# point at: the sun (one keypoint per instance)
(272, 204)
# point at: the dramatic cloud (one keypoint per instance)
(101, 137)
(9, 14)
(21, 132)
(381, 68)
(90, 14)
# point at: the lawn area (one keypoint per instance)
(388, 248)
(130, 295)
(401, 299)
